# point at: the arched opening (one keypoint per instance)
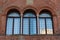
(29, 22)
(13, 22)
(45, 22)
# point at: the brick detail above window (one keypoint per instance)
(29, 2)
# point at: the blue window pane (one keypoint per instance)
(14, 14)
(32, 25)
(9, 26)
(45, 15)
(16, 25)
(42, 26)
(49, 26)
(26, 26)
(29, 15)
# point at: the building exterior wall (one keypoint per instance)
(37, 6)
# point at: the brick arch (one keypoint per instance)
(53, 11)
(54, 17)
(12, 7)
(30, 10)
(30, 7)
(6, 13)
(46, 10)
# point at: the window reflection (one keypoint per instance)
(42, 26)
(9, 26)
(29, 26)
(45, 15)
(49, 26)
(42, 31)
(29, 15)
(26, 26)
(16, 25)
(13, 24)
(32, 25)
(45, 24)
(29, 23)
(14, 14)
(49, 31)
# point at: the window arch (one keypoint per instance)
(45, 22)
(13, 22)
(29, 22)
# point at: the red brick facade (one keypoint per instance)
(38, 5)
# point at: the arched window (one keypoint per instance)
(45, 21)
(29, 23)
(13, 23)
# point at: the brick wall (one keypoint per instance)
(37, 6)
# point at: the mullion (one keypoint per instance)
(36, 25)
(29, 26)
(13, 27)
(20, 27)
(45, 26)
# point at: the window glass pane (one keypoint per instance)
(26, 26)
(16, 25)
(49, 26)
(45, 15)
(29, 15)
(42, 26)
(9, 26)
(32, 25)
(14, 14)
(49, 31)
